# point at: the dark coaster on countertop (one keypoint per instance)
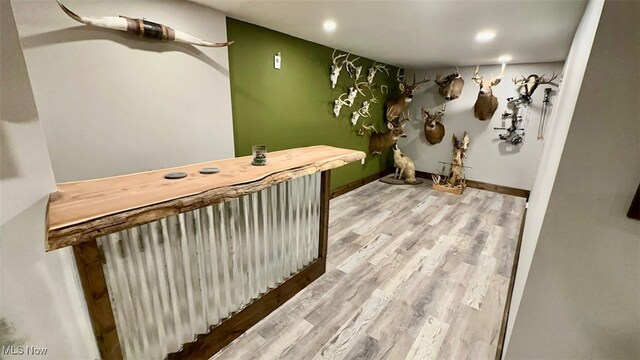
(175, 175)
(211, 170)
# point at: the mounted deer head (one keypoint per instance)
(335, 68)
(450, 87)
(397, 105)
(530, 83)
(486, 104)
(433, 128)
(379, 142)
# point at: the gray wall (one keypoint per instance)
(491, 160)
(112, 103)
(582, 295)
(39, 292)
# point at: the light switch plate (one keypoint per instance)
(277, 61)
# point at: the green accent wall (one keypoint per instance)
(293, 107)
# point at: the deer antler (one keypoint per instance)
(350, 65)
(399, 77)
(496, 81)
(407, 118)
(415, 84)
(364, 127)
(381, 67)
(335, 58)
(542, 80)
(365, 84)
(427, 78)
(435, 178)
(521, 81)
(476, 77)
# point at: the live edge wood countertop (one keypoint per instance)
(83, 210)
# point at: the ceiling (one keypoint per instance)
(425, 33)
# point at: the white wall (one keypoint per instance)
(561, 118)
(39, 293)
(491, 159)
(581, 299)
(114, 103)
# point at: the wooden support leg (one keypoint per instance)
(325, 196)
(94, 286)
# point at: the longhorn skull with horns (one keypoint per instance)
(141, 27)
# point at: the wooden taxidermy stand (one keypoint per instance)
(455, 183)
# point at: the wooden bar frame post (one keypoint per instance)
(89, 261)
(325, 196)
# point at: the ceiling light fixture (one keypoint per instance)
(485, 35)
(505, 58)
(329, 26)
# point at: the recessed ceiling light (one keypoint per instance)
(329, 26)
(485, 35)
(505, 58)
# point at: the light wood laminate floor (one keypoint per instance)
(412, 274)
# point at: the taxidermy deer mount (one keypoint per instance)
(530, 83)
(335, 68)
(433, 128)
(404, 166)
(460, 147)
(378, 142)
(397, 105)
(141, 27)
(450, 87)
(486, 103)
